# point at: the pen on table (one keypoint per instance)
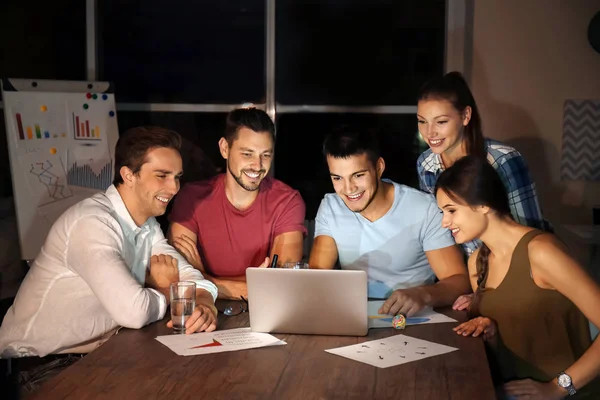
(274, 263)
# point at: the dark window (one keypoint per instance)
(43, 39)
(39, 40)
(353, 52)
(299, 161)
(200, 51)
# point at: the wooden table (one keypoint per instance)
(133, 365)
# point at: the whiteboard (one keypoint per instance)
(61, 139)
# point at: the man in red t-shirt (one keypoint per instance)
(241, 218)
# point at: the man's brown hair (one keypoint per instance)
(133, 146)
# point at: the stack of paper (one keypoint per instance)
(218, 341)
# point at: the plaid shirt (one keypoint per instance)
(513, 171)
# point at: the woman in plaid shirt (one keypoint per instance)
(449, 122)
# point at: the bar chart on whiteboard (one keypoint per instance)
(85, 176)
(29, 131)
(38, 122)
(82, 129)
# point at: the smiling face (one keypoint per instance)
(248, 158)
(355, 179)
(441, 125)
(465, 222)
(155, 185)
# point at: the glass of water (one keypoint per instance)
(183, 302)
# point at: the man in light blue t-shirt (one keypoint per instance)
(392, 231)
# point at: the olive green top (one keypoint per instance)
(541, 332)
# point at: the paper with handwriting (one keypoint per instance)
(391, 351)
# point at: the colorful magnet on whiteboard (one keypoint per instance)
(94, 96)
(104, 97)
(52, 150)
(85, 106)
(111, 113)
(63, 134)
(88, 95)
(43, 108)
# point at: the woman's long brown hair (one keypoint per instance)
(472, 181)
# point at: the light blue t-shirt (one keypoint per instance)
(391, 249)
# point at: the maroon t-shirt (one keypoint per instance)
(230, 240)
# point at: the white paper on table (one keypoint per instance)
(391, 351)
(425, 316)
(218, 341)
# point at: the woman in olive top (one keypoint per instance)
(532, 300)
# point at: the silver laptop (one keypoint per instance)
(307, 301)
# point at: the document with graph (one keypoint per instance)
(218, 341)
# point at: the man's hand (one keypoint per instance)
(405, 301)
(266, 263)
(187, 247)
(204, 317)
(463, 302)
(534, 390)
(162, 272)
(477, 326)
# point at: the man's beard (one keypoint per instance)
(370, 200)
(240, 181)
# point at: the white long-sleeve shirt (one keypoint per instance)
(88, 279)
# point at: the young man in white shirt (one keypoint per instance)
(106, 263)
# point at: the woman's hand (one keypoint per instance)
(534, 390)
(463, 302)
(478, 326)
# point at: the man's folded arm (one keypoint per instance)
(97, 259)
(186, 271)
